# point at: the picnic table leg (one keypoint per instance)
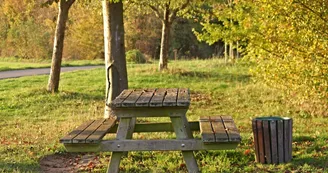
(182, 131)
(124, 131)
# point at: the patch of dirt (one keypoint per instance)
(70, 163)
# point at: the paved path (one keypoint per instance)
(39, 71)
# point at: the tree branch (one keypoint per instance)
(175, 11)
(156, 11)
(70, 3)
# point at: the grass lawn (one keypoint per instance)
(18, 64)
(32, 121)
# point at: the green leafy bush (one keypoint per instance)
(135, 56)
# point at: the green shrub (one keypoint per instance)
(135, 56)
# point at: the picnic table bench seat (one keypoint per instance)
(90, 132)
(217, 132)
(218, 129)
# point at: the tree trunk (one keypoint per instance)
(164, 53)
(225, 53)
(116, 73)
(57, 54)
(231, 54)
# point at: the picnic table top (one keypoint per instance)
(161, 97)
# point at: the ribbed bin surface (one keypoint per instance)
(273, 139)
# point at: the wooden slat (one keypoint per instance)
(158, 98)
(256, 144)
(145, 98)
(131, 100)
(219, 129)
(69, 138)
(171, 97)
(259, 128)
(291, 138)
(101, 131)
(231, 129)
(280, 134)
(267, 143)
(206, 129)
(117, 102)
(81, 138)
(287, 139)
(183, 97)
(274, 146)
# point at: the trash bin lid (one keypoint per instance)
(272, 118)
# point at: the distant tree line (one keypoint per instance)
(27, 31)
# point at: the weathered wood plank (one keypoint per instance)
(254, 127)
(69, 138)
(231, 129)
(274, 140)
(290, 123)
(145, 98)
(182, 131)
(171, 97)
(183, 97)
(267, 143)
(220, 132)
(157, 127)
(206, 131)
(131, 100)
(280, 134)
(158, 98)
(287, 139)
(117, 102)
(81, 138)
(101, 131)
(259, 127)
(149, 145)
(123, 132)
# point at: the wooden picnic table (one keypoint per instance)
(218, 132)
(172, 103)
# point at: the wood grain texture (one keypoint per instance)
(117, 102)
(206, 131)
(69, 138)
(280, 133)
(259, 127)
(171, 97)
(158, 98)
(183, 97)
(164, 145)
(274, 141)
(231, 129)
(145, 98)
(256, 144)
(101, 131)
(267, 143)
(81, 138)
(131, 100)
(219, 129)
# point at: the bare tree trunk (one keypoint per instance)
(225, 52)
(116, 72)
(57, 54)
(164, 53)
(238, 55)
(231, 54)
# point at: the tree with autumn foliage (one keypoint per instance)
(287, 42)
